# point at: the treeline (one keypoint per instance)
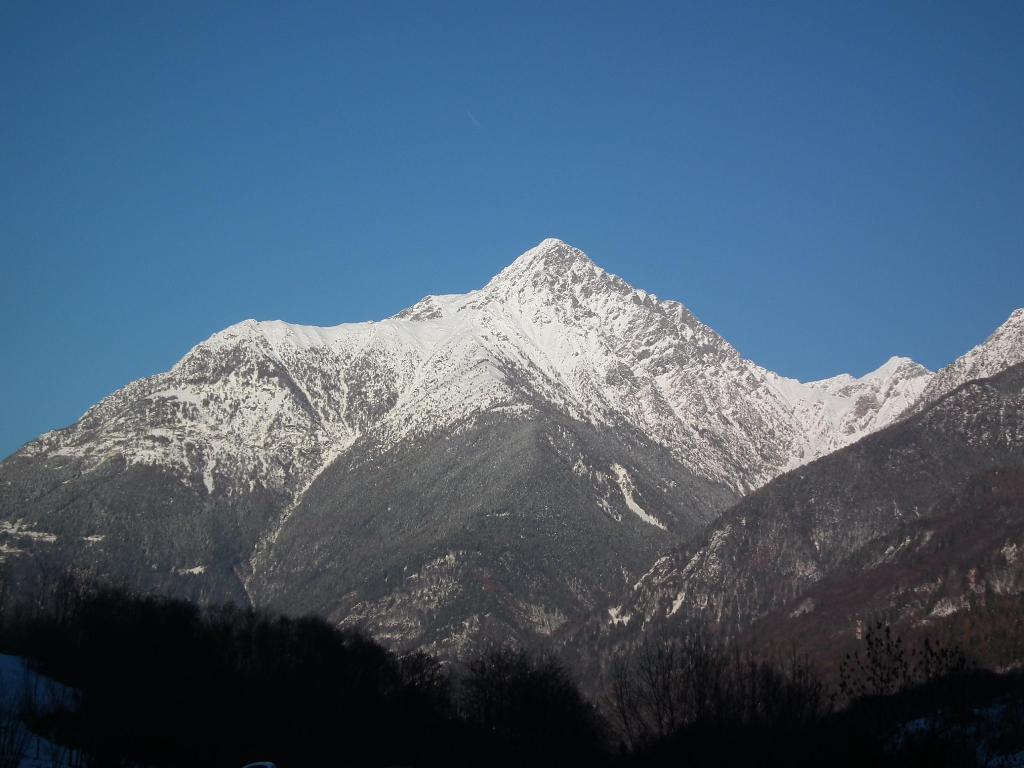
(159, 682)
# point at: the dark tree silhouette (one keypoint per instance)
(525, 708)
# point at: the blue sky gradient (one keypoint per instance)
(825, 184)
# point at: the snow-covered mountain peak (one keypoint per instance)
(549, 252)
(436, 307)
(552, 330)
(1012, 331)
(1003, 349)
(538, 276)
(1007, 338)
(548, 266)
(837, 411)
(239, 330)
(896, 366)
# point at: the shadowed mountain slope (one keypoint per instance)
(908, 522)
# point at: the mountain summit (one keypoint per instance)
(549, 259)
(490, 463)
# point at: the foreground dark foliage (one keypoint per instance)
(691, 702)
(162, 682)
(528, 706)
(166, 683)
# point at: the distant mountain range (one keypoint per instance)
(506, 463)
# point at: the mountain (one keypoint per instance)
(954, 574)
(911, 523)
(1004, 348)
(493, 462)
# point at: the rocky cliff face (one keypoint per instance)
(308, 467)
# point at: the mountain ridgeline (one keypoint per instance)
(506, 463)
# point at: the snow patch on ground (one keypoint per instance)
(946, 607)
(22, 530)
(626, 486)
(677, 603)
(208, 475)
(21, 687)
(617, 616)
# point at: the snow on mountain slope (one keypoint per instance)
(273, 403)
(840, 410)
(1003, 349)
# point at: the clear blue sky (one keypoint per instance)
(825, 184)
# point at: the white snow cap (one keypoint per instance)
(892, 365)
(552, 330)
(549, 252)
(1003, 349)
